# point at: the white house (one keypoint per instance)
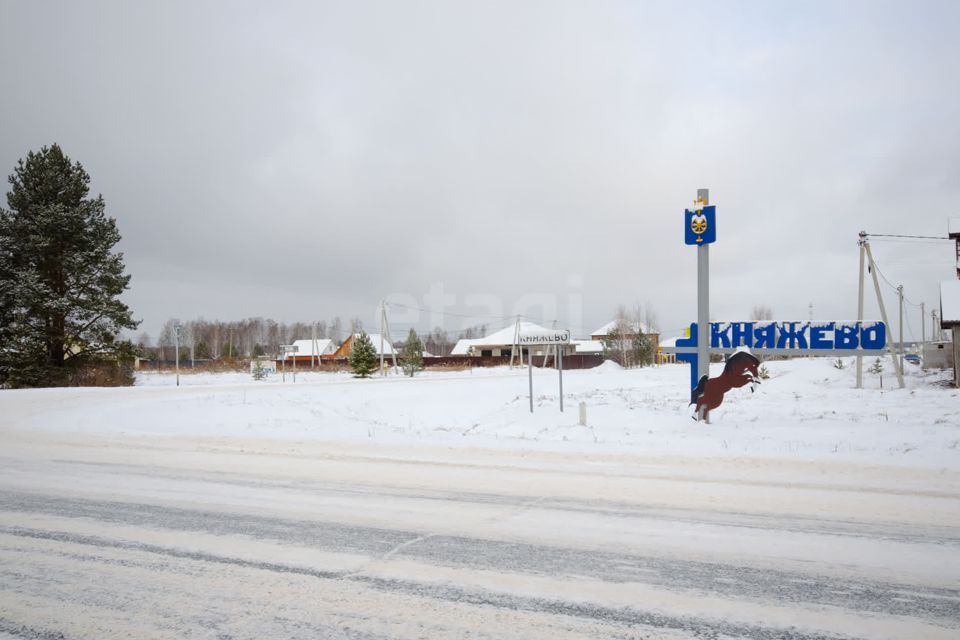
(305, 349)
(501, 343)
(588, 346)
(347, 347)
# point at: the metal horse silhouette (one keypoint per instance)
(742, 368)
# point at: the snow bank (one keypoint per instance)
(807, 409)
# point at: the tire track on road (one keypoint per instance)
(763, 585)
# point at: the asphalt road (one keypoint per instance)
(112, 537)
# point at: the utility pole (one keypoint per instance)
(923, 325)
(900, 296)
(176, 332)
(382, 313)
(883, 311)
(862, 243)
(515, 349)
(385, 333)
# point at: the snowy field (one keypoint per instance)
(439, 507)
(807, 410)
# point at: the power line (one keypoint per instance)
(906, 318)
(889, 284)
(901, 235)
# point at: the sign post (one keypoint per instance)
(767, 338)
(560, 372)
(288, 349)
(700, 230)
(556, 337)
(530, 375)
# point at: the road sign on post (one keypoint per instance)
(291, 350)
(557, 338)
(700, 230)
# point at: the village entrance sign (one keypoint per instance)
(760, 338)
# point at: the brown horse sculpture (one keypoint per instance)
(742, 368)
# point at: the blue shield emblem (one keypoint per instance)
(700, 227)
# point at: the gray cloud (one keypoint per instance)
(304, 161)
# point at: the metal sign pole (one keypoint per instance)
(529, 373)
(700, 231)
(560, 372)
(703, 311)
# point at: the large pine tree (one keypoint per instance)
(60, 279)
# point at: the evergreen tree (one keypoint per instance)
(363, 357)
(202, 351)
(641, 348)
(411, 355)
(60, 280)
(877, 370)
(617, 344)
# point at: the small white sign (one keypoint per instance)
(560, 336)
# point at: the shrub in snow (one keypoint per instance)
(363, 357)
(411, 355)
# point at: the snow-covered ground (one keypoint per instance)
(807, 409)
(439, 507)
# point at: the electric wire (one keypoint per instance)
(905, 299)
(904, 241)
(903, 235)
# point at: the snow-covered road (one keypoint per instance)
(119, 536)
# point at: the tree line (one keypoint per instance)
(202, 339)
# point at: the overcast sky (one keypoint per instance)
(306, 160)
